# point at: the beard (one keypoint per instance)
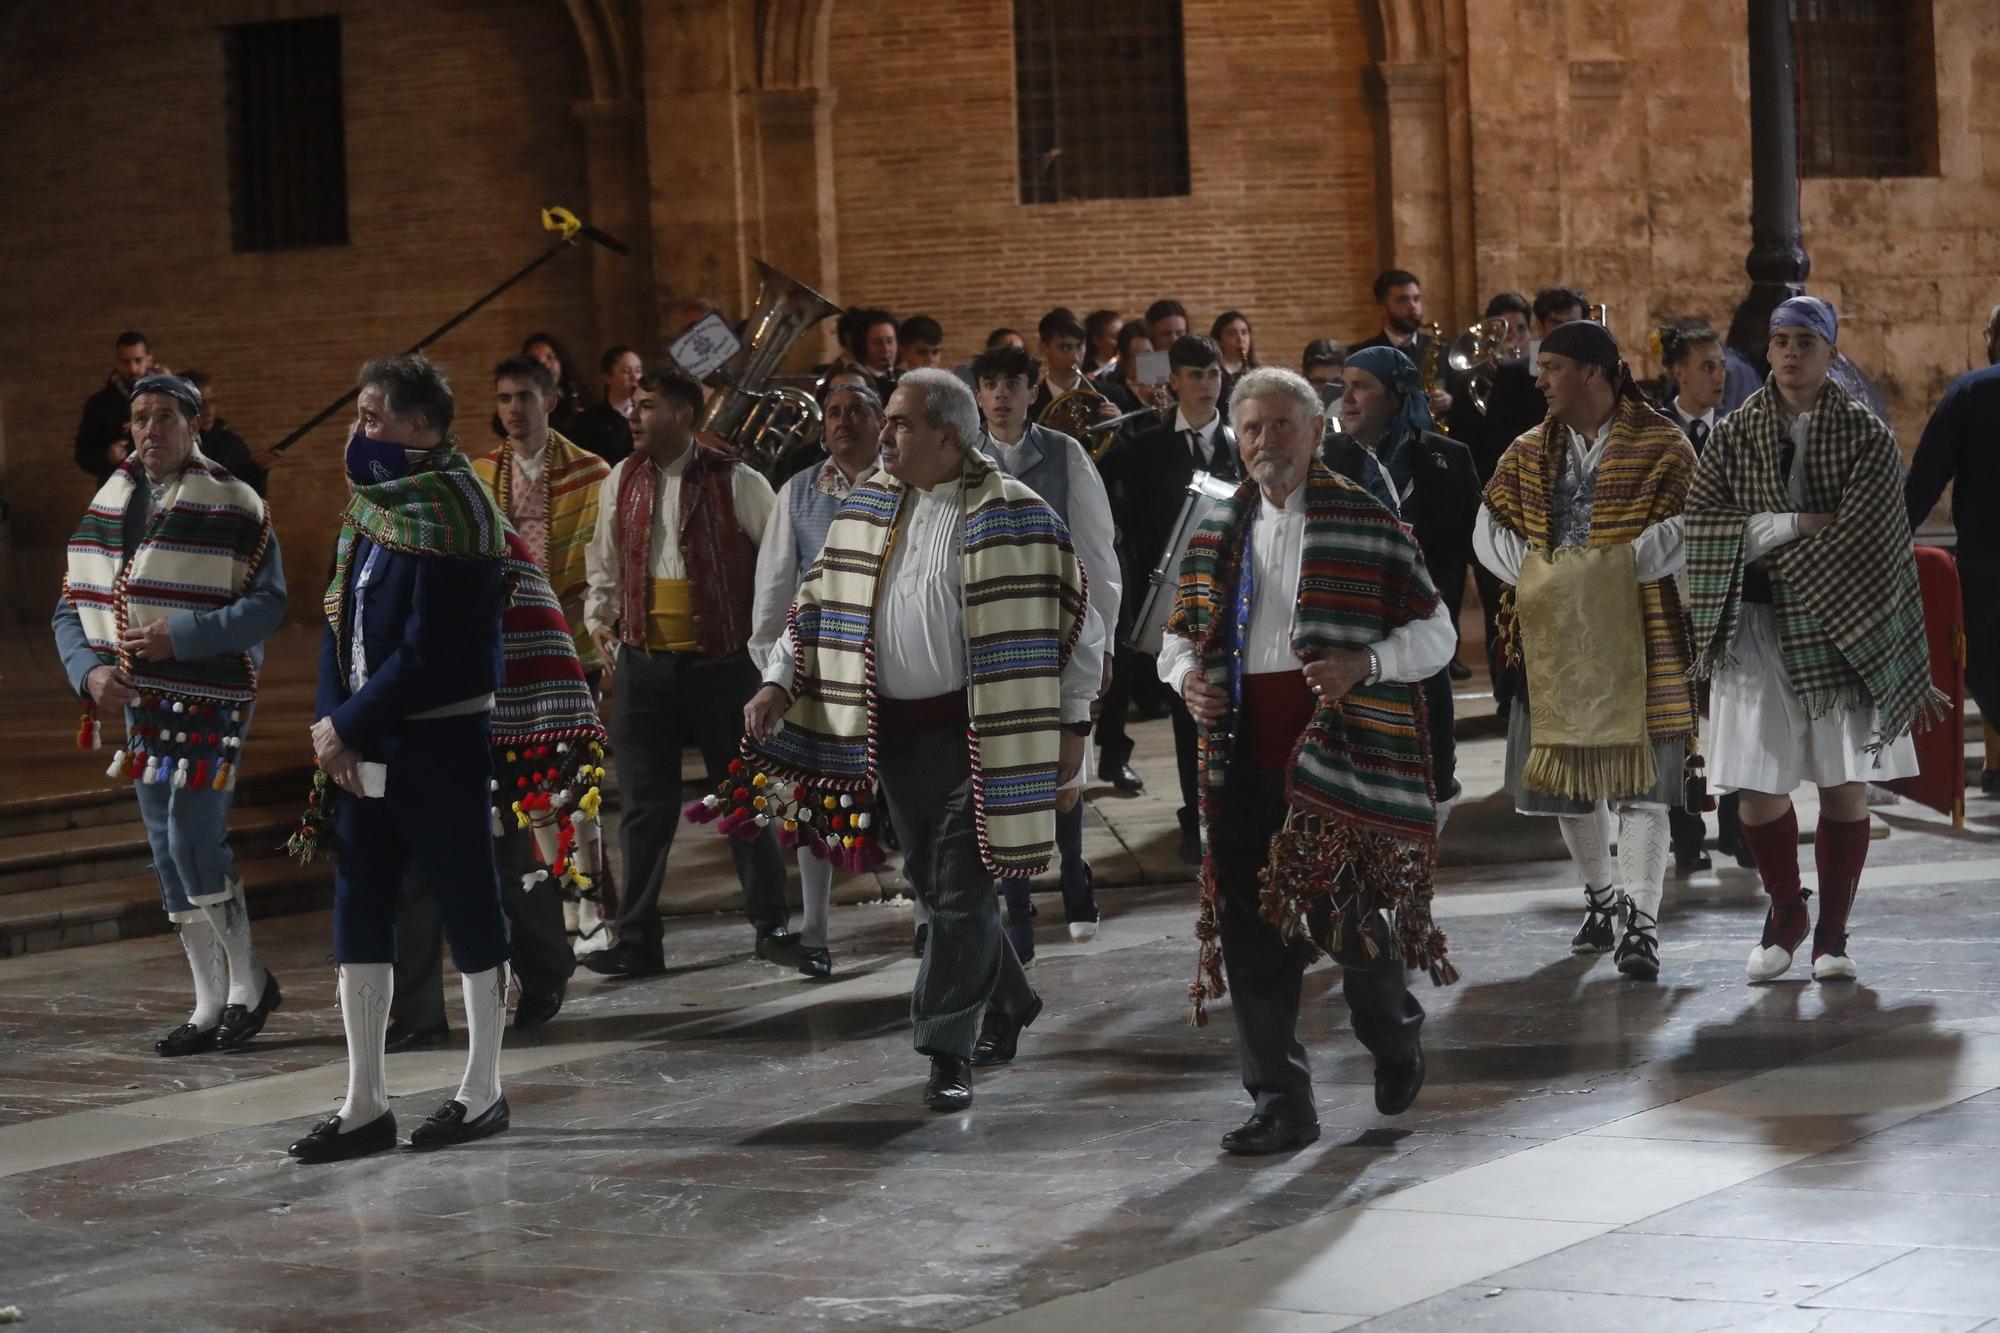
(1277, 473)
(1406, 324)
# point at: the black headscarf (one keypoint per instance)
(1589, 343)
(174, 387)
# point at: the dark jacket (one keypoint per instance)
(1440, 510)
(1515, 408)
(106, 416)
(1148, 475)
(603, 429)
(1961, 444)
(431, 634)
(226, 447)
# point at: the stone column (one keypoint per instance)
(1417, 227)
(1778, 263)
(613, 167)
(796, 231)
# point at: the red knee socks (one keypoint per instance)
(1840, 850)
(1776, 847)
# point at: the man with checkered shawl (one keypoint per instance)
(1803, 591)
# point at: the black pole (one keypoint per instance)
(1777, 263)
(588, 232)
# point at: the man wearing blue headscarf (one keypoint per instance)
(1386, 443)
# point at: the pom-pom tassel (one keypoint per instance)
(118, 766)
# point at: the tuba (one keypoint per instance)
(761, 421)
(1479, 352)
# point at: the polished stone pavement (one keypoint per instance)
(732, 1147)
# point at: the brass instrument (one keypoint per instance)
(1427, 369)
(1601, 313)
(763, 421)
(1077, 414)
(1479, 353)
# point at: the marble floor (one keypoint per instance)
(731, 1147)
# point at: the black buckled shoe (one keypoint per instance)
(1122, 777)
(1396, 1087)
(949, 1088)
(1598, 932)
(325, 1142)
(407, 1037)
(1000, 1034)
(187, 1039)
(815, 963)
(240, 1024)
(448, 1126)
(779, 946)
(1267, 1132)
(537, 1007)
(625, 960)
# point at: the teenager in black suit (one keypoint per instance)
(1149, 474)
(1425, 479)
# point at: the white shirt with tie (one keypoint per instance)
(1204, 438)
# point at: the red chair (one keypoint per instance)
(1940, 780)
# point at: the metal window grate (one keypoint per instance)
(287, 140)
(1867, 91)
(1100, 99)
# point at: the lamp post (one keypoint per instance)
(1777, 263)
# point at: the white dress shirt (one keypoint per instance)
(1413, 652)
(778, 571)
(1659, 551)
(920, 614)
(1204, 436)
(750, 495)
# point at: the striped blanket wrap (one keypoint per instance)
(1025, 598)
(1642, 480)
(571, 478)
(1360, 830)
(1848, 612)
(201, 548)
(444, 511)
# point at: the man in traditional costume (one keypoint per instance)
(1807, 619)
(1582, 519)
(173, 584)
(547, 488)
(799, 522)
(409, 669)
(1304, 627)
(672, 570)
(940, 642)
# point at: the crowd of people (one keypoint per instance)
(907, 639)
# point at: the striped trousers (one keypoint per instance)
(967, 962)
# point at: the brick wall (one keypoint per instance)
(1280, 223)
(114, 166)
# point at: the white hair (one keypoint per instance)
(944, 401)
(1276, 382)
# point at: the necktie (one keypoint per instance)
(1698, 434)
(1194, 449)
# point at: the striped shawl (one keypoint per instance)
(1025, 597)
(1642, 479)
(1845, 600)
(1360, 830)
(201, 548)
(571, 478)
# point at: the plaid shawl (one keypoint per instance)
(200, 550)
(1642, 479)
(1024, 603)
(1360, 830)
(571, 479)
(1846, 602)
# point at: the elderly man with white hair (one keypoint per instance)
(940, 643)
(1305, 625)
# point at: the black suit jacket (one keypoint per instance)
(1148, 475)
(1440, 510)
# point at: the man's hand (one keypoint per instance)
(1440, 402)
(1205, 702)
(326, 742)
(109, 687)
(151, 642)
(344, 767)
(1070, 757)
(1107, 410)
(1813, 524)
(1336, 671)
(605, 639)
(766, 709)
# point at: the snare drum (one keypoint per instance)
(1149, 627)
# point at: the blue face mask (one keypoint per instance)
(370, 462)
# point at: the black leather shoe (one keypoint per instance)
(625, 960)
(1691, 860)
(1000, 1034)
(1458, 670)
(1268, 1132)
(1122, 777)
(537, 1007)
(1190, 847)
(240, 1024)
(1396, 1088)
(949, 1088)
(325, 1143)
(917, 943)
(405, 1037)
(187, 1039)
(815, 963)
(779, 946)
(448, 1126)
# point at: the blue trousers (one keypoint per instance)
(434, 816)
(189, 830)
